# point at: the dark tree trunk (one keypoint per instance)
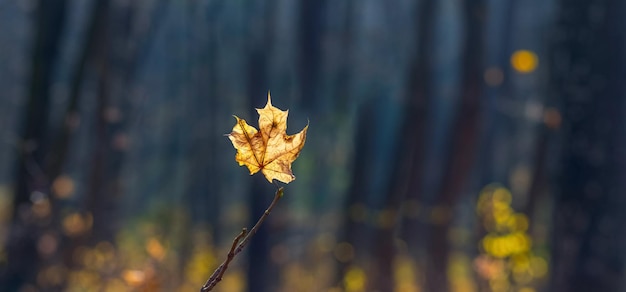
(201, 194)
(539, 181)
(205, 208)
(262, 273)
(356, 227)
(99, 196)
(405, 172)
(22, 255)
(463, 147)
(419, 91)
(61, 144)
(404, 184)
(588, 75)
(310, 32)
(258, 250)
(342, 82)
(496, 124)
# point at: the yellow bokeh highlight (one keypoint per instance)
(518, 222)
(201, 263)
(354, 280)
(233, 281)
(524, 61)
(502, 195)
(507, 245)
(139, 259)
(75, 223)
(460, 273)
(404, 271)
(155, 249)
(507, 261)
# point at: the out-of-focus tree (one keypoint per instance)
(587, 66)
(462, 147)
(403, 190)
(262, 272)
(33, 173)
(118, 152)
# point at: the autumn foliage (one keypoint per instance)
(269, 149)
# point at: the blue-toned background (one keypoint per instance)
(454, 145)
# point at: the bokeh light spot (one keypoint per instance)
(134, 277)
(494, 76)
(47, 244)
(63, 187)
(75, 224)
(552, 118)
(524, 61)
(344, 252)
(155, 249)
(354, 280)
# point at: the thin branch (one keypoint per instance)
(239, 244)
(219, 272)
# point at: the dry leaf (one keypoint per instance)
(269, 149)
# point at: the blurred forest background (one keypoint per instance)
(454, 145)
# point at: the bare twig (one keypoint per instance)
(238, 244)
(219, 272)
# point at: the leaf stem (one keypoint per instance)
(239, 243)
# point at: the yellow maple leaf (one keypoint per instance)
(269, 149)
